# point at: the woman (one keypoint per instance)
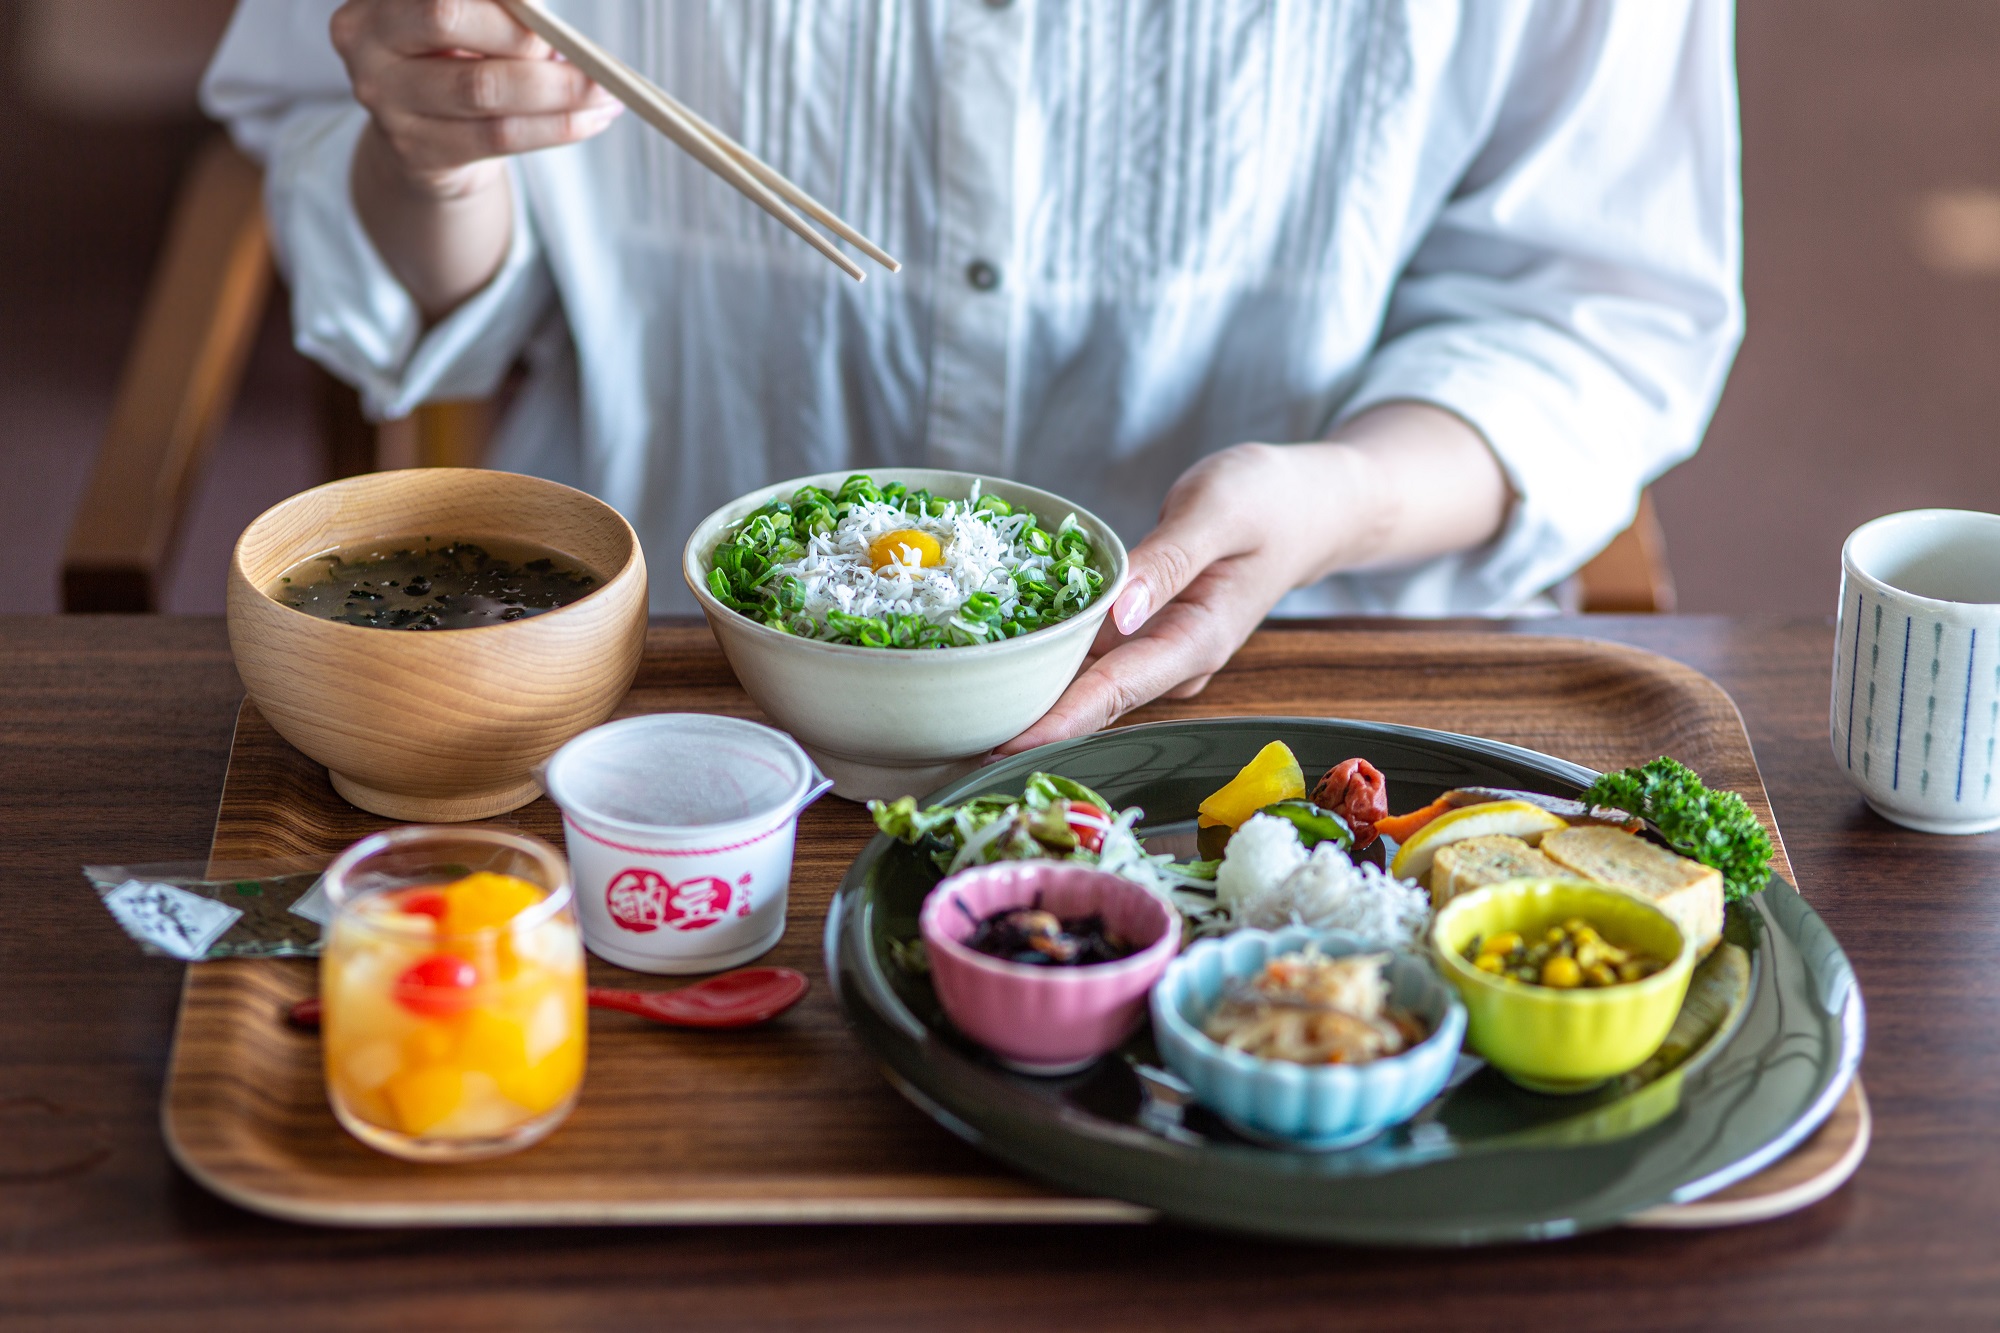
(1378, 305)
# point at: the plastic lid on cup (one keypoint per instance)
(682, 772)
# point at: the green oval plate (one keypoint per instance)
(1486, 1161)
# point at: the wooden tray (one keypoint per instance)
(792, 1123)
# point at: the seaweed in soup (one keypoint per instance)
(412, 584)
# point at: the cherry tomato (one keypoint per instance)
(1088, 823)
(438, 986)
(423, 902)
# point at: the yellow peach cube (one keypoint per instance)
(484, 900)
(493, 1042)
(542, 1087)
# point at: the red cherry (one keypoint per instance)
(438, 986)
(423, 902)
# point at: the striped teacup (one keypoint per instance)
(1915, 714)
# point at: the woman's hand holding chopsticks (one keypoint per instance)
(454, 85)
(451, 88)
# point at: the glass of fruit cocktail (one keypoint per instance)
(452, 988)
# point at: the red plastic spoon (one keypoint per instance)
(737, 999)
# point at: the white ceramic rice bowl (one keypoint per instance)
(1319, 1107)
(887, 722)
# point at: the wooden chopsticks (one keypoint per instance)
(757, 179)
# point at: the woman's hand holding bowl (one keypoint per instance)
(1400, 483)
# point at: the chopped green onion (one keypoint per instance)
(858, 487)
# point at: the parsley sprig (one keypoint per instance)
(1716, 828)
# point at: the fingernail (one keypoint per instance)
(1130, 612)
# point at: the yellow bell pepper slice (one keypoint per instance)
(1273, 776)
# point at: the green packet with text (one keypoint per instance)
(195, 911)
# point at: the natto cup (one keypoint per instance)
(680, 829)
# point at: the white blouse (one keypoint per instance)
(1134, 232)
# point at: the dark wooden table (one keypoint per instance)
(113, 738)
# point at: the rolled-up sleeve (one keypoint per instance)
(1578, 297)
(278, 85)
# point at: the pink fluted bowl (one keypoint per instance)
(1045, 1020)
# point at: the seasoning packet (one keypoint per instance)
(195, 910)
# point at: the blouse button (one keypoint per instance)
(982, 275)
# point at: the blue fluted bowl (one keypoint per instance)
(1319, 1107)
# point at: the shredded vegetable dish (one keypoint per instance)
(888, 567)
(1308, 1009)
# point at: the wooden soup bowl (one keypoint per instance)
(439, 725)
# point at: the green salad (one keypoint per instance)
(1053, 819)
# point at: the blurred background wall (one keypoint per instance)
(135, 58)
(1870, 380)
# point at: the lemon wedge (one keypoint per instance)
(1516, 819)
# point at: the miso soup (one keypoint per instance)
(415, 583)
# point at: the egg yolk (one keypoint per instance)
(890, 548)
